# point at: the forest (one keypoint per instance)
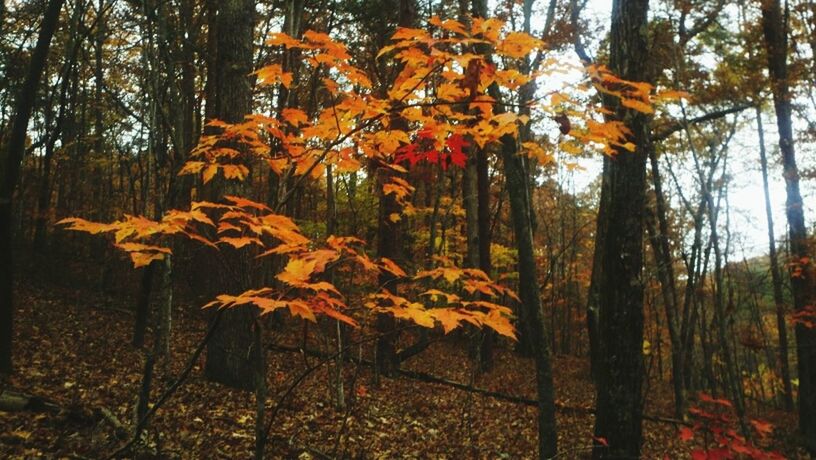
(370, 229)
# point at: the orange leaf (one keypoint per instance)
(297, 271)
(389, 266)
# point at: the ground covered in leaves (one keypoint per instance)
(73, 349)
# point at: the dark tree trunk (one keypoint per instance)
(532, 320)
(620, 292)
(776, 277)
(231, 356)
(774, 25)
(388, 240)
(659, 238)
(10, 162)
(485, 263)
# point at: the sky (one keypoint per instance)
(746, 196)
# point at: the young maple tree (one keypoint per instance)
(463, 106)
(355, 126)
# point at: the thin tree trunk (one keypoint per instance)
(659, 238)
(776, 277)
(774, 25)
(10, 161)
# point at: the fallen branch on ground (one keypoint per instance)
(425, 377)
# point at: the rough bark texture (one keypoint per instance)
(230, 353)
(620, 290)
(774, 28)
(10, 161)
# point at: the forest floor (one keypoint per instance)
(73, 349)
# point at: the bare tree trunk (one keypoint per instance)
(776, 277)
(774, 25)
(531, 316)
(388, 242)
(231, 356)
(10, 161)
(659, 238)
(620, 402)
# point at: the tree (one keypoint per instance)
(12, 157)
(231, 356)
(620, 290)
(774, 25)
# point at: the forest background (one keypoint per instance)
(513, 227)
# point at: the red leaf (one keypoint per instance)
(699, 454)
(601, 440)
(455, 144)
(686, 434)
(362, 391)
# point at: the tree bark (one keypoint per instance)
(10, 161)
(774, 25)
(620, 292)
(231, 356)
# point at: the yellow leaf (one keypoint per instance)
(297, 271)
(209, 172)
(394, 217)
(570, 148)
(300, 308)
(635, 104)
(238, 243)
(389, 266)
(272, 74)
(518, 45)
(280, 38)
(143, 259)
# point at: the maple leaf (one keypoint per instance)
(143, 259)
(455, 144)
(240, 242)
(82, 225)
(762, 427)
(517, 45)
(273, 73)
(280, 38)
(500, 323)
(449, 318)
(638, 105)
(209, 172)
(705, 397)
(686, 434)
(391, 267)
(300, 308)
(295, 117)
(297, 271)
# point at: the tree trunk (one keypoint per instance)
(10, 162)
(231, 356)
(776, 277)
(388, 242)
(488, 337)
(620, 402)
(774, 26)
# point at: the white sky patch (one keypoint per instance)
(748, 225)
